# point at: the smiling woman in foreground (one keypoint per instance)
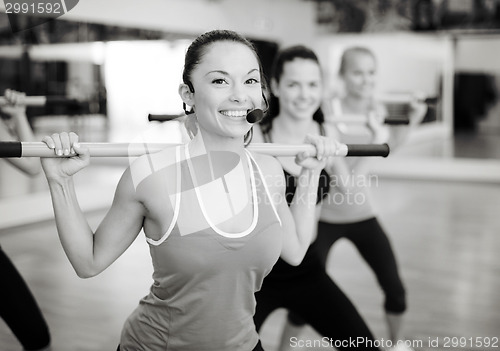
(213, 213)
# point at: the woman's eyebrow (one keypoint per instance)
(226, 74)
(218, 71)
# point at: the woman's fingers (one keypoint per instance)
(65, 143)
(323, 151)
(49, 141)
(325, 147)
(15, 98)
(18, 98)
(418, 111)
(301, 156)
(57, 144)
(332, 147)
(75, 157)
(73, 139)
(320, 149)
(9, 96)
(82, 152)
(314, 140)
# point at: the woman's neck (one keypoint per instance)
(287, 129)
(205, 142)
(357, 104)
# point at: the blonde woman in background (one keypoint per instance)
(352, 215)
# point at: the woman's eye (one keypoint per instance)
(219, 81)
(252, 81)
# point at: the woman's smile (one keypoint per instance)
(234, 113)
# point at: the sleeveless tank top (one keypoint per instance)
(291, 180)
(202, 297)
(349, 202)
(355, 133)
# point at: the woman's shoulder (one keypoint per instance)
(149, 166)
(271, 172)
(380, 108)
(332, 107)
(331, 130)
(271, 169)
(267, 164)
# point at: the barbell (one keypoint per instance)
(392, 120)
(16, 149)
(42, 100)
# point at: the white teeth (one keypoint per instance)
(234, 113)
(303, 106)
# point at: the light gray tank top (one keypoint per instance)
(349, 199)
(202, 298)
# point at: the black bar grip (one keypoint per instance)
(162, 118)
(61, 100)
(368, 150)
(397, 120)
(10, 149)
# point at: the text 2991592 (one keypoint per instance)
(47, 8)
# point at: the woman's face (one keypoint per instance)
(226, 84)
(300, 88)
(359, 75)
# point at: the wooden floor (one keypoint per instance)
(446, 237)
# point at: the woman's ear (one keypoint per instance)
(186, 94)
(274, 88)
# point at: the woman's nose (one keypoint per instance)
(238, 93)
(368, 78)
(304, 92)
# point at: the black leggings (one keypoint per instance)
(308, 292)
(374, 246)
(19, 309)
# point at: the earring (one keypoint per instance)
(184, 107)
